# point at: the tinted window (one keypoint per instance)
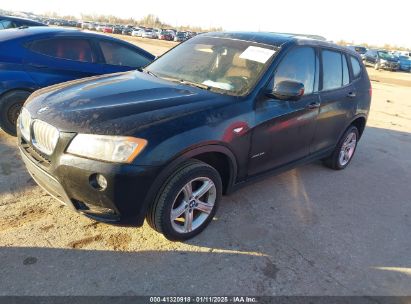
(298, 65)
(332, 70)
(116, 54)
(73, 49)
(356, 67)
(346, 76)
(6, 24)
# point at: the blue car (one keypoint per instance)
(36, 57)
(7, 22)
(405, 63)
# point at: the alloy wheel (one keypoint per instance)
(193, 205)
(347, 149)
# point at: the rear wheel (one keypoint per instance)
(10, 107)
(344, 152)
(187, 202)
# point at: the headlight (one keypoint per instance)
(383, 61)
(117, 149)
(24, 124)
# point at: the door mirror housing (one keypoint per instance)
(288, 90)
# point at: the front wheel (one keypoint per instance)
(344, 151)
(187, 202)
(10, 107)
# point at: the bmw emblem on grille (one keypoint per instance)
(43, 109)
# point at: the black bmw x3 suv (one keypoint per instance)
(166, 142)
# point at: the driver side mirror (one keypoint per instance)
(287, 90)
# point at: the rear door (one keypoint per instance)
(338, 98)
(119, 57)
(56, 60)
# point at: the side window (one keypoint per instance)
(346, 75)
(332, 70)
(6, 24)
(298, 65)
(116, 54)
(64, 48)
(356, 67)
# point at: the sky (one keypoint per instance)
(373, 22)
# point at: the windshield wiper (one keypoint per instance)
(195, 84)
(187, 82)
(147, 72)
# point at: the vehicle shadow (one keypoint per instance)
(308, 231)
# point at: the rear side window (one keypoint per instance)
(117, 54)
(298, 65)
(356, 67)
(346, 75)
(64, 48)
(335, 70)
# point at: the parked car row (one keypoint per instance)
(140, 31)
(130, 30)
(384, 60)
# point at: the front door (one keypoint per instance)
(285, 129)
(56, 60)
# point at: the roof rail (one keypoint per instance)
(308, 36)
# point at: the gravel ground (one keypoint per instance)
(309, 231)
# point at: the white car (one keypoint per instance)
(137, 32)
(149, 34)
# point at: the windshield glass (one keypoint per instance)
(385, 55)
(219, 64)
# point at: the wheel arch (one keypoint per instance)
(212, 154)
(359, 122)
(9, 90)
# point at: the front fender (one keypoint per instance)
(176, 163)
(15, 80)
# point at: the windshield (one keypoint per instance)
(385, 55)
(219, 64)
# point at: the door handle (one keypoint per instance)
(313, 105)
(38, 66)
(351, 94)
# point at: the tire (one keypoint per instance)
(335, 160)
(173, 197)
(10, 107)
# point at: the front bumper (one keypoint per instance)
(390, 66)
(68, 179)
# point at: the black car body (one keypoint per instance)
(7, 22)
(381, 59)
(127, 31)
(230, 138)
(359, 49)
(117, 30)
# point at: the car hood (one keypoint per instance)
(390, 59)
(118, 103)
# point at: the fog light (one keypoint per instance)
(98, 181)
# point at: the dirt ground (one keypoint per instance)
(309, 231)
